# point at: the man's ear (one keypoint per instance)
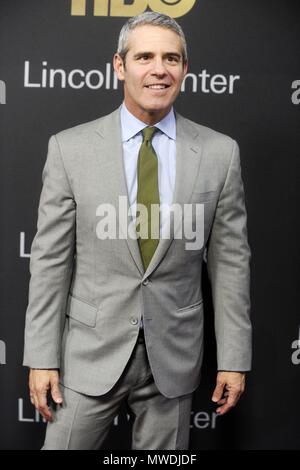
(119, 66)
(185, 68)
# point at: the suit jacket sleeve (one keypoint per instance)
(228, 259)
(52, 255)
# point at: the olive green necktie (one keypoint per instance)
(148, 194)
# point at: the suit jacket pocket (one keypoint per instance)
(81, 311)
(206, 196)
(190, 307)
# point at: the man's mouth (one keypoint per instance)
(158, 86)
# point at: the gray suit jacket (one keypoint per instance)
(87, 295)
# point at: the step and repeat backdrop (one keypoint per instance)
(244, 80)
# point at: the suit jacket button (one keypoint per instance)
(145, 282)
(133, 321)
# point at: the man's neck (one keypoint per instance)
(148, 117)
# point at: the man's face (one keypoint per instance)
(153, 72)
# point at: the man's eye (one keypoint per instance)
(173, 59)
(144, 57)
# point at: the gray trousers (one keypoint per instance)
(160, 423)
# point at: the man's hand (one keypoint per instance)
(229, 388)
(40, 381)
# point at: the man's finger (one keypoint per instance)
(42, 405)
(32, 399)
(218, 392)
(222, 401)
(231, 401)
(55, 393)
(31, 394)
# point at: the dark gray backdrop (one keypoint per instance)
(258, 41)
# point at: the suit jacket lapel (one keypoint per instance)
(109, 148)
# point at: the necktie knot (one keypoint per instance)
(148, 133)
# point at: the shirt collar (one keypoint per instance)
(131, 125)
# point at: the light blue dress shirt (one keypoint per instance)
(164, 144)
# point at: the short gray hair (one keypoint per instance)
(152, 19)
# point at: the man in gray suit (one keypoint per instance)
(114, 317)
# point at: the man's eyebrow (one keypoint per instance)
(175, 54)
(138, 54)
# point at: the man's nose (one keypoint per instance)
(159, 67)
